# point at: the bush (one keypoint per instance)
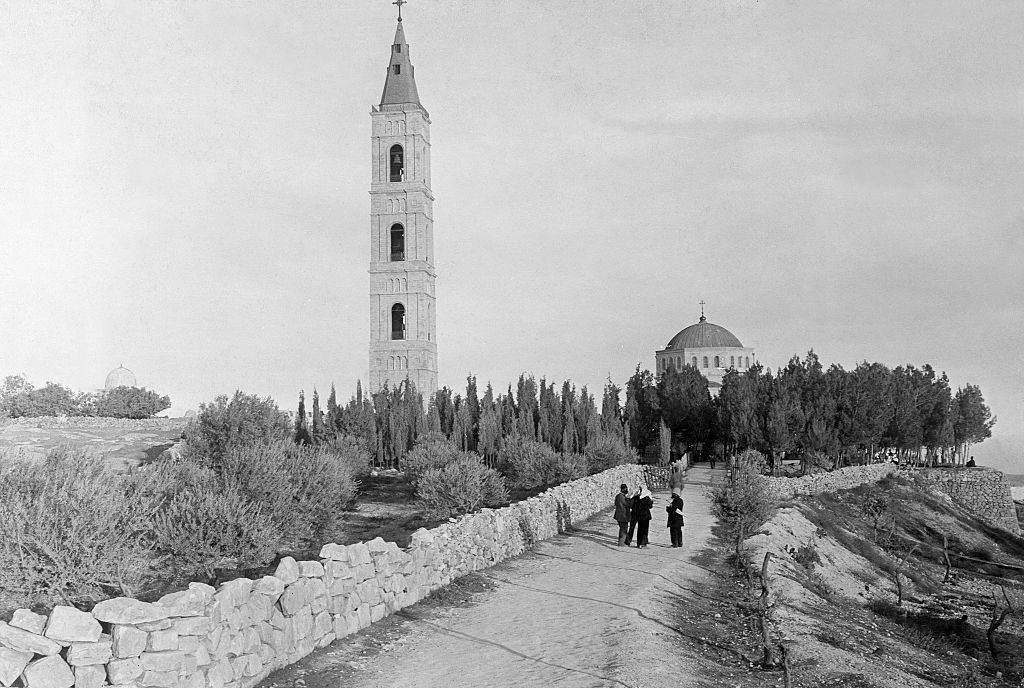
(568, 467)
(130, 402)
(741, 504)
(352, 451)
(526, 463)
(71, 531)
(460, 487)
(201, 531)
(607, 451)
(244, 419)
(51, 400)
(751, 459)
(432, 450)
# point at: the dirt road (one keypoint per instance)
(579, 611)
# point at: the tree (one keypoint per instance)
(12, 386)
(642, 409)
(318, 433)
(302, 435)
(244, 419)
(130, 402)
(50, 400)
(685, 404)
(973, 418)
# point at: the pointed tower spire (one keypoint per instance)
(400, 85)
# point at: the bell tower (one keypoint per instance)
(403, 337)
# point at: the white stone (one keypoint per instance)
(128, 641)
(12, 663)
(49, 672)
(91, 676)
(311, 569)
(124, 670)
(270, 586)
(334, 552)
(85, 654)
(67, 624)
(29, 620)
(124, 610)
(287, 571)
(23, 641)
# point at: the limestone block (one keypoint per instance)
(277, 620)
(234, 593)
(67, 624)
(337, 569)
(363, 614)
(238, 665)
(311, 569)
(266, 653)
(86, 654)
(287, 570)
(265, 631)
(124, 670)
(159, 679)
(295, 597)
(12, 663)
(359, 554)
(188, 644)
(303, 623)
(48, 672)
(23, 641)
(334, 552)
(192, 625)
(220, 674)
(253, 665)
(191, 602)
(128, 642)
(341, 586)
(124, 610)
(202, 656)
(91, 676)
(252, 639)
(326, 639)
(160, 641)
(162, 661)
(377, 612)
(158, 625)
(269, 586)
(236, 644)
(321, 624)
(28, 620)
(259, 608)
(195, 680)
(189, 664)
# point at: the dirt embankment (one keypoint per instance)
(862, 595)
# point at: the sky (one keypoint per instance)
(184, 188)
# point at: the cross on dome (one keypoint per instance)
(399, 3)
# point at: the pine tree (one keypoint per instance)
(319, 435)
(301, 427)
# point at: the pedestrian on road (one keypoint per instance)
(623, 507)
(675, 519)
(642, 508)
(677, 475)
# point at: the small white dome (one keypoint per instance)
(120, 377)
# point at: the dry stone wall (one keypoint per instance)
(982, 491)
(832, 481)
(233, 636)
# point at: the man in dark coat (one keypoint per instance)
(675, 519)
(622, 512)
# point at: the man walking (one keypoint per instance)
(622, 512)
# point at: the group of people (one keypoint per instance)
(633, 515)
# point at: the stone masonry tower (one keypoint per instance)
(403, 338)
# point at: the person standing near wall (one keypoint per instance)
(642, 510)
(623, 508)
(675, 519)
(677, 475)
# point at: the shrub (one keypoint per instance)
(243, 419)
(567, 467)
(352, 451)
(51, 400)
(71, 530)
(742, 504)
(753, 460)
(607, 451)
(201, 531)
(432, 450)
(526, 463)
(130, 402)
(460, 487)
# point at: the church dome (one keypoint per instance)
(704, 335)
(120, 377)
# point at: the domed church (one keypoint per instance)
(710, 348)
(119, 377)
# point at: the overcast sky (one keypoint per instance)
(184, 186)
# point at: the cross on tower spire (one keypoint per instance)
(702, 318)
(399, 3)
